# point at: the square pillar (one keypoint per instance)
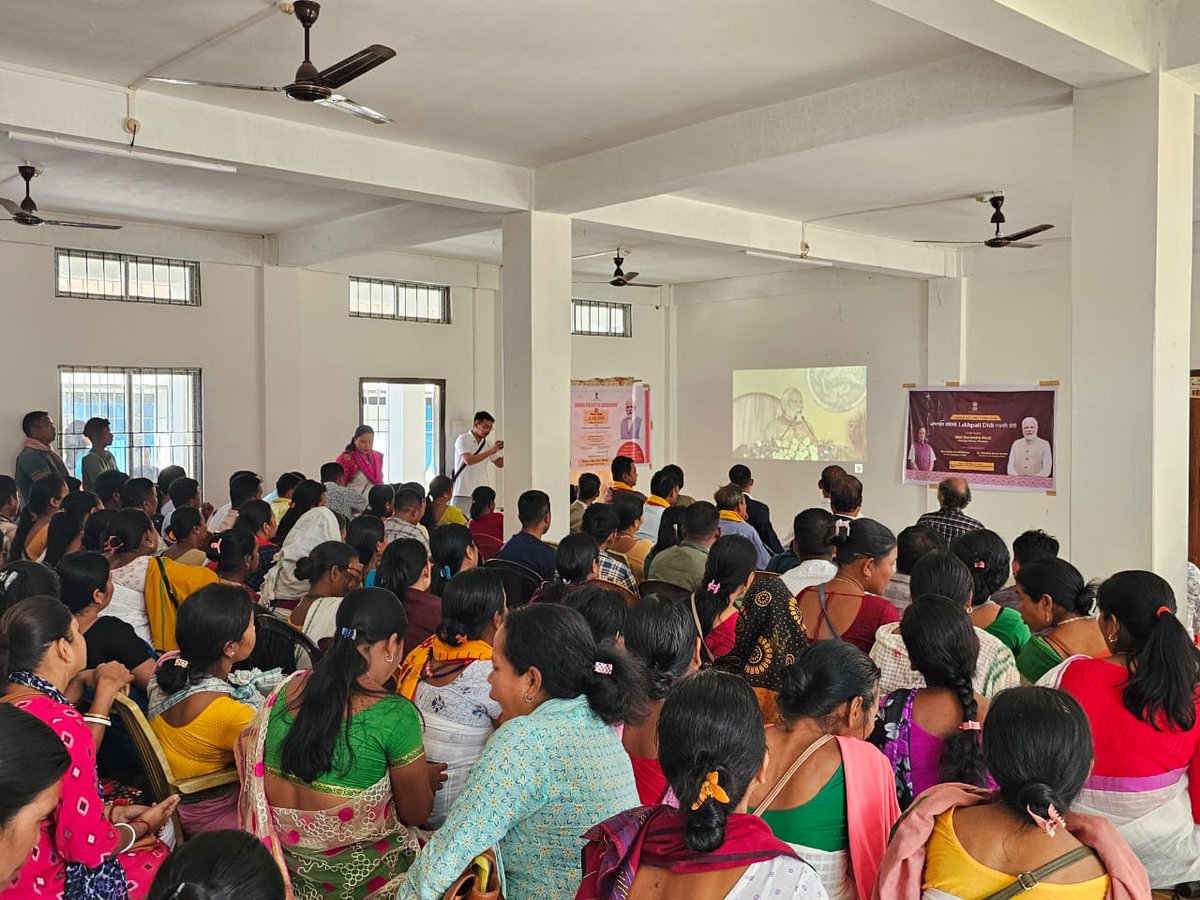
(535, 318)
(945, 342)
(1131, 271)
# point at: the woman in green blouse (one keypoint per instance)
(986, 557)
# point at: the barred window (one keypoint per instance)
(154, 414)
(375, 298)
(94, 275)
(601, 318)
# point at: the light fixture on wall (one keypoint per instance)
(123, 152)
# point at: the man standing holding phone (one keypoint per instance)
(472, 453)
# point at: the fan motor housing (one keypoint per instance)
(307, 91)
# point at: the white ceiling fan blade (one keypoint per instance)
(80, 225)
(346, 105)
(192, 82)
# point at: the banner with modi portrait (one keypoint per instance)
(1001, 438)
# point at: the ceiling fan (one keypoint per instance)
(25, 212)
(998, 240)
(311, 85)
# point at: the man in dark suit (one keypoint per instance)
(758, 514)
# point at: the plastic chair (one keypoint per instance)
(627, 595)
(487, 545)
(278, 644)
(520, 582)
(160, 780)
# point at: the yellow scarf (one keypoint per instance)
(728, 515)
(654, 500)
(620, 486)
(434, 650)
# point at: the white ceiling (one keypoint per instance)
(525, 82)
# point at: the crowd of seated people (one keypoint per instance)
(667, 700)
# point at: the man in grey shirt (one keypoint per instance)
(99, 459)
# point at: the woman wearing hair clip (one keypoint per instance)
(728, 571)
(453, 550)
(553, 770)
(986, 557)
(957, 842)
(851, 607)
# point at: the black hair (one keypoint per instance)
(80, 504)
(219, 865)
(439, 486)
(483, 416)
(943, 647)
(986, 557)
(951, 497)
(324, 557)
(41, 492)
(700, 520)
(1059, 580)
(62, 530)
(813, 533)
(825, 676)
(365, 617)
(365, 533)
(185, 520)
(1035, 544)
(73, 484)
(381, 499)
(480, 498)
(252, 516)
(125, 531)
(1164, 664)
(469, 604)
(558, 641)
(8, 489)
(23, 578)
(942, 574)
(135, 492)
(27, 629)
(358, 432)
(109, 483)
(671, 528)
(306, 496)
(629, 508)
(662, 483)
(35, 758)
(659, 631)
(401, 565)
(288, 482)
(409, 498)
(207, 620)
(739, 474)
(862, 539)
(604, 609)
(30, 419)
(243, 488)
(829, 475)
(448, 547)
(533, 506)
(677, 472)
(234, 476)
(710, 722)
(620, 467)
(600, 520)
(229, 549)
(573, 492)
(575, 557)
(589, 486)
(914, 542)
(80, 576)
(94, 424)
(845, 494)
(182, 491)
(332, 471)
(94, 528)
(1038, 748)
(731, 560)
(167, 476)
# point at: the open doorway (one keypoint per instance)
(409, 418)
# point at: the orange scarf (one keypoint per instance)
(434, 650)
(728, 515)
(653, 500)
(620, 486)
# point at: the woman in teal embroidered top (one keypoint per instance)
(552, 770)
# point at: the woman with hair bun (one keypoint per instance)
(188, 535)
(851, 607)
(986, 557)
(331, 571)
(962, 843)
(931, 734)
(829, 793)
(713, 751)
(553, 770)
(234, 553)
(576, 565)
(452, 550)
(1142, 702)
(1057, 606)
(447, 678)
(728, 571)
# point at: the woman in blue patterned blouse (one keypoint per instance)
(552, 770)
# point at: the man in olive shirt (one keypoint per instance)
(99, 459)
(37, 458)
(683, 565)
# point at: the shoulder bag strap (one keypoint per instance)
(825, 615)
(705, 653)
(463, 465)
(787, 776)
(1027, 881)
(162, 570)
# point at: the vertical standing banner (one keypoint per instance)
(609, 417)
(995, 437)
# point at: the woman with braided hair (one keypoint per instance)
(932, 734)
(728, 571)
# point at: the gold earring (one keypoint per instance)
(1112, 638)
(528, 699)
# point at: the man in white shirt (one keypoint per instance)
(1030, 454)
(664, 491)
(472, 453)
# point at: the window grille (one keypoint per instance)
(95, 275)
(601, 318)
(406, 301)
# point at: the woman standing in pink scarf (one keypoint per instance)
(362, 464)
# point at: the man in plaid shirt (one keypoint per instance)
(954, 494)
(600, 521)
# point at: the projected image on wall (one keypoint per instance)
(801, 414)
